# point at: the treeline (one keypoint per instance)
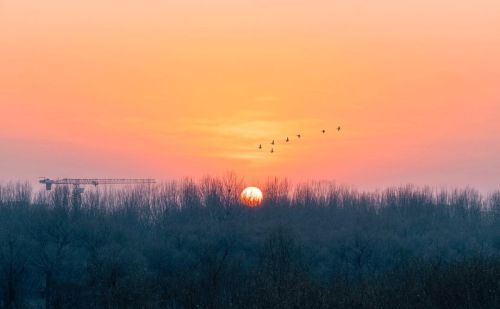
(187, 244)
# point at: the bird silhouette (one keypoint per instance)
(287, 140)
(298, 135)
(272, 150)
(260, 146)
(272, 143)
(323, 131)
(338, 129)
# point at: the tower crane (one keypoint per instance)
(77, 182)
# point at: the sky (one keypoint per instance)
(185, 88)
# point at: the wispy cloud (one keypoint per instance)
(266, 99)
(235, 138)
(240, 139)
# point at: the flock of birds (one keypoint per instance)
(287, 140)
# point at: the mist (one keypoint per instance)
(192, 244)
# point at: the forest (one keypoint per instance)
(191, 244)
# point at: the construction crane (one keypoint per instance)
(77, 182)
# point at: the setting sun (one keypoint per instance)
(251, 197)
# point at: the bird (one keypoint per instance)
(298, 135)
(323, 131)
(272, 150)
(338, 129)
(260, 146)
(272, 143)
(287, 140)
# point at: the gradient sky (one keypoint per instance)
(167, 89)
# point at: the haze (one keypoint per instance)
(168, 89)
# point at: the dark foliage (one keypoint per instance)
(192, 245)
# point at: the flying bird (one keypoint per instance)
(272, 143)
(260, 146)
(338, 129)
(272, 150)
(298, 135)
(323, 131)
(287, 140)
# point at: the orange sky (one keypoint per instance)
(178, 88)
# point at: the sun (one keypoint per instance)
(251, 197)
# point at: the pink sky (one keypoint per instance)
(168, 89)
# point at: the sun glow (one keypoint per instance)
(251, 197)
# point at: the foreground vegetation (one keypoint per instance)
(191, 244)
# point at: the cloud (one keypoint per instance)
(217, 137)
(240, 138)
(266, 99)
